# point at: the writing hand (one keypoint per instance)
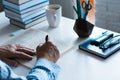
(48, 51)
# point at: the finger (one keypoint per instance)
(27, 51)
(10, 62)
(22, 55)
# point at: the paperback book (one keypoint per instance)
(28, 9)
(18, 2)
(19, 24)
(24, 6)
(27, 14)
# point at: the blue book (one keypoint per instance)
(28, 9)
(30, 24)
(23, 6)
(27, 14)
(40, 13)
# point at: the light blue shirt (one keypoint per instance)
(43, 70)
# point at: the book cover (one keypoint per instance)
(29, 24)
(23, 6)
(21, 16)
(28, 9)
(18, 2)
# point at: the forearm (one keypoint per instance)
(44, 70)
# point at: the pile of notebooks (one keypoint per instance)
(103, 45)
(25, 13)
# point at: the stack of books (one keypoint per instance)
(25, 13)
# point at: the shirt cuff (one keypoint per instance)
(48, 64)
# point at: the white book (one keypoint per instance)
(18, 1)
(28, 9)
(21, 16)
(24, 6)
(16, 23)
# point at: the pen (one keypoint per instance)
(46, 38)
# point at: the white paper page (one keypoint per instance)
(32, 37)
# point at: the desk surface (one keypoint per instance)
(75, 64)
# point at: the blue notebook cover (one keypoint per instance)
(87, 46)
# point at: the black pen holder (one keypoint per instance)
(83, 28)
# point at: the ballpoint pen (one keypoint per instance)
(46, 38)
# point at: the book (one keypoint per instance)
(19, 24)
(21, 16)
(88, 47)
(18, 2)
(28, 9)
(24, 6)
(32, 38)
(28, 18)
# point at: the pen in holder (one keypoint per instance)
(83, 28)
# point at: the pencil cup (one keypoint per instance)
(83, 28)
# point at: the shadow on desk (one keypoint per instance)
(6, 30)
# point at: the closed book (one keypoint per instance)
(40, 13)
(19, 24)
(7, 11)
(28, 9)
(23, 6)
(18, 1)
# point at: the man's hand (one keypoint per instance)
(48, 51)
(9, 53)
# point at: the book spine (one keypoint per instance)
(28, 9)
(28, 25)
(31, 20)
(26, 18)
(23, 6)
(21, 16)
(19, 2)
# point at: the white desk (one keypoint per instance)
(75, 64)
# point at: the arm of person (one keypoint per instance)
(44, 69)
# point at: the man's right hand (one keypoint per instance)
(48, 51)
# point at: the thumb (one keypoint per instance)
(10, 62)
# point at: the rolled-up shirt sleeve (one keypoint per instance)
(43, 70)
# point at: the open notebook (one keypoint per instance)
(32, 37)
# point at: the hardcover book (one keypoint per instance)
(28, 9)
(18, 2)
(28, 18)
(27, 14)
(96, 50)
(34, 22)
(24, 6)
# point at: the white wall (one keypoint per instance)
(107, 14)
(67, 9)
